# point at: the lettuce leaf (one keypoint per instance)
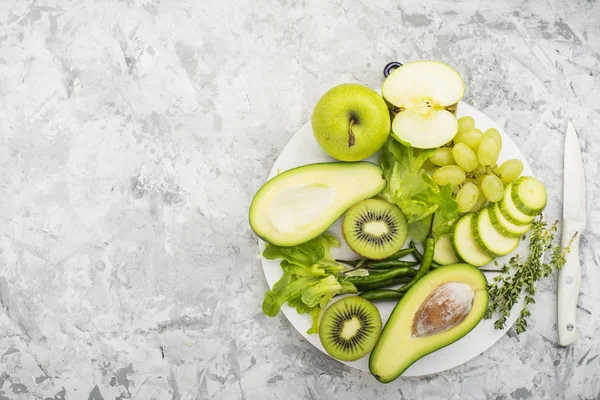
(285, 289)
(410, 187)
(322, 292)
(309, 278)
(315, 314)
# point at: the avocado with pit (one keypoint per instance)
(438, 310)
(301, 203)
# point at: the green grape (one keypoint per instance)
(429, 166)
(480, 171)
(450, 174)
(480, 203)
(492, 187)
(479, 179)
(493, 132)
(465, 124)
(510, 170)
(442, 157)
(471, 138)
(465, 157)
(488, 151)
(467, 197)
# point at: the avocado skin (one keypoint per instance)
(397, 349)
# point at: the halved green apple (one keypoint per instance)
(424, 95)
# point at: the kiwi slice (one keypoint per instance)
(375, 228)
(350, 328)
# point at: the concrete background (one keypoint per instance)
(133, 135)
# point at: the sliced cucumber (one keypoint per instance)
(510, 211)
(443, 253)
(488, 238)
(529, 195)
(504, 226)
(465, 245)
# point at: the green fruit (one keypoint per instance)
(350, 328)
(351, 122)
(444, 254)
(424, 93)
(375, 228)
(438, 310)
(300, 204)
(489, 238)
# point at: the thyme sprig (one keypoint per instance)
(520, 275)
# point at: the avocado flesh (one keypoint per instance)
(300, 204)
(399, 346)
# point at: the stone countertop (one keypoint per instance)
(135, 133)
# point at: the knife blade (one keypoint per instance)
(573, 224)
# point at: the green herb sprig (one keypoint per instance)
(521, 274)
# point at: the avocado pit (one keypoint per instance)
(447, 306)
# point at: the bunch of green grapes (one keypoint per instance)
(469, 164)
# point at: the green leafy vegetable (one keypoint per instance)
(321, 293)
(315, 314)
(412, 189)
(288, 287)
(521, 274)
(309, 279)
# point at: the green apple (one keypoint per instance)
(351, 122)
(424, 95)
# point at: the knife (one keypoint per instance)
(573, 224)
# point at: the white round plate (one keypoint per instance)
(303, 149)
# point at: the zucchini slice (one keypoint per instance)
(464, 244)
(529, 195)
(504, 226)
(488, 238)
(510, 211)
(443, 253)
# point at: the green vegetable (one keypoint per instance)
(315, 251)
(314, 328)
(370, 264)
(391, 264)
(419, 256)
(521, 274)
(321, 293)
(425, 263)
(384, 284)
(309, 279)
(413, 190)
(362, 281)
(435, 265)
(400, 253)
(381, 294)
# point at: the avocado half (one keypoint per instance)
(438, 310)
(300, 204)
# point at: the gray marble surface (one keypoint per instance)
(134, 134)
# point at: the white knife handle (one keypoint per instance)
(569, 283)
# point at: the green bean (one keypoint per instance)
(426, 261)
(382, 284)
(435, 265)
(379, 271)
(481, 269)
(393, 273)
(381, 294)
(353, 263)
(377, 264)
(400, 253)
(419, 256)
(390, 264)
